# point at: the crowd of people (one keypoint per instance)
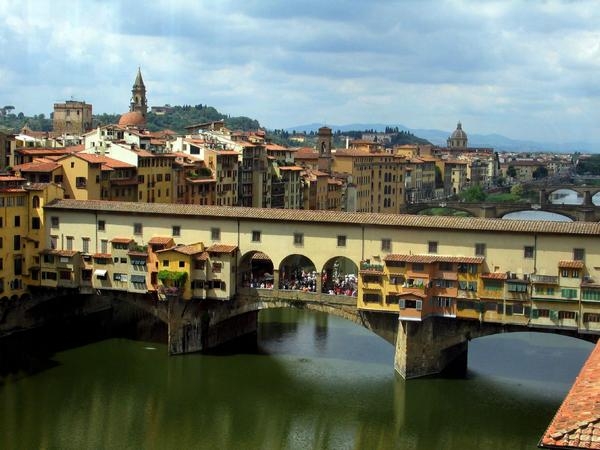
(332, 281)
(339, 284)
(300, 280)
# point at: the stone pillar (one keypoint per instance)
(587, 198)
(543, 197)
(195, 329)
(429, 347)
(488, 211)
(319, 286)
(275, 278)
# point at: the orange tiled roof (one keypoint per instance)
(426, 259)
(260, 256)
(160, 240)
(577, 421)
(102, 255)
(191, 249)
(201, 257)
(121, 240)
(570, 264)
(221, 248)
(494, 276)
(334, 217)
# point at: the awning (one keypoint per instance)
(100, 272)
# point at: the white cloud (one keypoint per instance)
(516, 68)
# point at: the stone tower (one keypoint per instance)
(324, 143)
(138, 96)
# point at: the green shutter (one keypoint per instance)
(535, 313)
(401, 304)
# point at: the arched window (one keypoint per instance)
(35, 202)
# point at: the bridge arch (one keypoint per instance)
(448, 211)
(298, 272)
(339, 276)
(580, 194)
(255, 269)
(419, 208)
(527, 208)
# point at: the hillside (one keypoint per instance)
(177, 119)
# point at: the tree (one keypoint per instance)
(511, 172)
(517, 190)
(473, 194)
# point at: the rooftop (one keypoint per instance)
(333, 217)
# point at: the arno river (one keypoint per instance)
(312, 381)
(308, 381)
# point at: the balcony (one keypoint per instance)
(543, 279)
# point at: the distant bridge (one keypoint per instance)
(586, 212)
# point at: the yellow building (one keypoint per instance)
(22, 233)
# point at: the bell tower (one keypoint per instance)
(324, 143)
(138, 95)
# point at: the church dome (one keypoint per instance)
(458, 133)
(132, 119)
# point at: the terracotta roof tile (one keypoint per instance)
(570, 264)
(337, 217)
(191, 249)
(577, 421)
(121, 240)
(427, 259)
(102, 255)
(260, 256)
(201, 257)
(162, 240)
(494, 276)
(221, 248)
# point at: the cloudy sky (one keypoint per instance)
(524, 69)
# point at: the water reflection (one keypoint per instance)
(314, 381)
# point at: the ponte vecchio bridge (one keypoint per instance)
(426, 284)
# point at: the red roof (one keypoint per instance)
(221, 248)
(570, 264)
(577, 421)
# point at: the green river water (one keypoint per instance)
(311, 381)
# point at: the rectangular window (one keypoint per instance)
(216, 267)
(85, 244)
(54, 222)
(445, 266)
(176, 230)
(69, 242)
(35, 223)
(371, 298)
(341, 241)
(215, 234)
(101, 225)
(386, 245)
(528, 251)
(104, 246)
(432, 246)
(298, 239)
(564, 273)
(517, 287)
(479, 249)
(567, 315)
(418, 267)
(256, 236)
(181, 264)
(137, 228)
(17, 242)
(165, 263)
(17, 221)
(568, 293)
(578, 254)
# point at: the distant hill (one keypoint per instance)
(438, 137)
